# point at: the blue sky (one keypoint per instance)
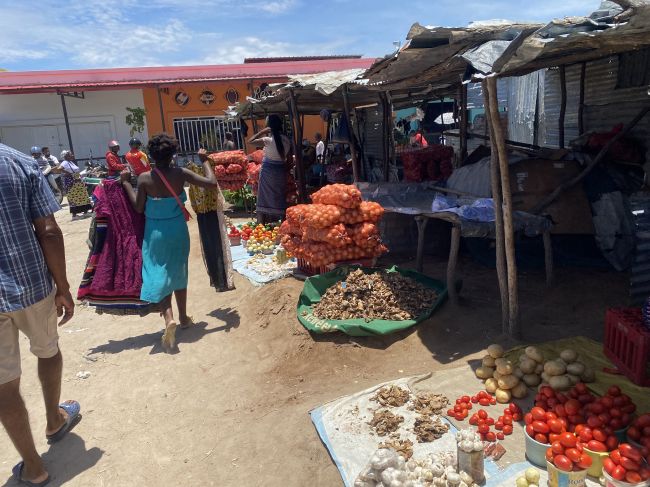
(72, 34)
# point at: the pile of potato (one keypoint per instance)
(506, 380)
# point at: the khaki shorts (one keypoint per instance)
(38, 323)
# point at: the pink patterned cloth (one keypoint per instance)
(119, 267)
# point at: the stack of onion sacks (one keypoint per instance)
(338, 227)
(230, 168)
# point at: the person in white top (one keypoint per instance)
(271, 194)
(320, 147)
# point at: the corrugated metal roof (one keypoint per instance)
(88, 79)
(278, 59)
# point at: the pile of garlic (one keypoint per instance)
(469, 441)
(388, 469)
(499, 376)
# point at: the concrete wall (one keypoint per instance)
(37, 119)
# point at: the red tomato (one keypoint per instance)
(618, 473)
(599, 435)
(611, 443)
(633, 477)
(550, 415)
(557, 448)
(616, 424)
(616, 457)
(501, 436)
(514, 408)
(594, 422)
(474, 399)
(538, 414)
(614, 391)
(484, 401)
(629, 464)
(540, 427)
(490, 436)
(493, 400)
(554, 437)
(597, 408)
(573, 454)
(586, 434)
(555, 426)
(490, 421)
(482, 414)
(585, 398)
(451, 412)
(568, 440)
(572, 407)
(563, 463)
(528, 418)
(462, 415)
(530, 431)
(552, 402)
(607, 402)
(643, 420)
(483, 394)
(605, 418)
(549, 455)
(565, 423)
(473, 420)
(646, 431)
(560, 411)
(608, 465)
(540, 438)
(594, 445)
(581, 388)
(626, 419)
(465, 398)
(576, 419)
(516, 417)
(547, 391)
(615, 413)
(561, 398)
(498, 425)
(629, 451)
(458, 408)
(483, 429)
(507, 420)
(645, 473)
(585, 461)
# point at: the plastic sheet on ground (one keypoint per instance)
(256, 270)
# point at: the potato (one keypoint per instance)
(532, 476)
(496, 375)
(569, 355)
(588, 375)
(575, 368)
(545, 377)
(535, 354)
(528, 365)
(491, 385)
(519, 373)
(539, 369)
(531, 380)
(521, 482)
(519, 391)
(560, 383)
(488, 361)
(507, 381)
(504, 366)
(554, 367)
(495, 350)
(503, 396)
(484, 372)
(574, 379)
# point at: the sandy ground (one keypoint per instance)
(231, 408)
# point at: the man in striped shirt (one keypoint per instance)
(33, 290)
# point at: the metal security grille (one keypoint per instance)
(194, 133)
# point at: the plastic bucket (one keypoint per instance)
(560, 478)
(536, 451)
(621, 434)
(610, 482)
(597, 459)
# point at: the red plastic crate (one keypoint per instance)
(627, 343)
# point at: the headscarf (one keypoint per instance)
(68, 166)
(64, 154)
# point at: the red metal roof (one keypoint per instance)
(278, 59)
(123, 78)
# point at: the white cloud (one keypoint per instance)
(276, 7)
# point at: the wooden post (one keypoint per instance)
(421, 222)
(548, 257)
(495, 180)
(297, 147)
(581, 103)
(327, 143)
(353, 147)
(508, 227)
(452, 263)
(162, 111)
(463, 125)
(386, 134)
(562, 105)
(67, 123)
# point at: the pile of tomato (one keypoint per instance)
(628, 463)
(482, 420)
(639, 431)
(568, 454)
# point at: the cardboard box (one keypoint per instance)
(531, 180)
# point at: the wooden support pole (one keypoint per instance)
(495, 180)
(463, 125)
(562, 105)
(452, 263)
(67, 123)
(548, 257)
(508, 227)
(581, 102)
(421, 222)
(542, 205)
(162, 110)
(385, 134)
(353, 147)
(294, 116)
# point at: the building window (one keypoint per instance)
(209, 133)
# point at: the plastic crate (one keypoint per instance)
(627, 343)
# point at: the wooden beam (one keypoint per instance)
(562, 105)
(294, 116)
(495, 181)
(353, 147)
(546, 202)
(162, 110)
(452, 263)
(581, 102)
(386, 134)
(463, 125)
(508, 227)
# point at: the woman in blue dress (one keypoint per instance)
(166, 244)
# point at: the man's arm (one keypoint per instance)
(50, 238)
(114, 163)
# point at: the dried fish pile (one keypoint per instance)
(428, 429)
(428, 403)
(385, 422)
(391, 396)
(376, 296)
(403, 447)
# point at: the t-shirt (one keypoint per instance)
(25, 196)
(320, 148)
(271, 151)
(138, 161)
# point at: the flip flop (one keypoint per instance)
(72, 408)
(17, 472)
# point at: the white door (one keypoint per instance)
(22, 138)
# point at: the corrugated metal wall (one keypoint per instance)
(522, 95)
(373, 140)
(605, 106)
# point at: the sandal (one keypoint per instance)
(17, 472)
(169, 336)
(73, 408)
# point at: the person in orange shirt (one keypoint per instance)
(113, 160)
(136, 158)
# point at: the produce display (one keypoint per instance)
(254, 167)
(482, 419)
(568, 455)
(432, 163)
(259, 238)
(627, 463)
(377, 295)
(234, 235)
(230, 168)
(529, 479)
(337, 227)
(639, 431)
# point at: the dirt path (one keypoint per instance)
(231, 409)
